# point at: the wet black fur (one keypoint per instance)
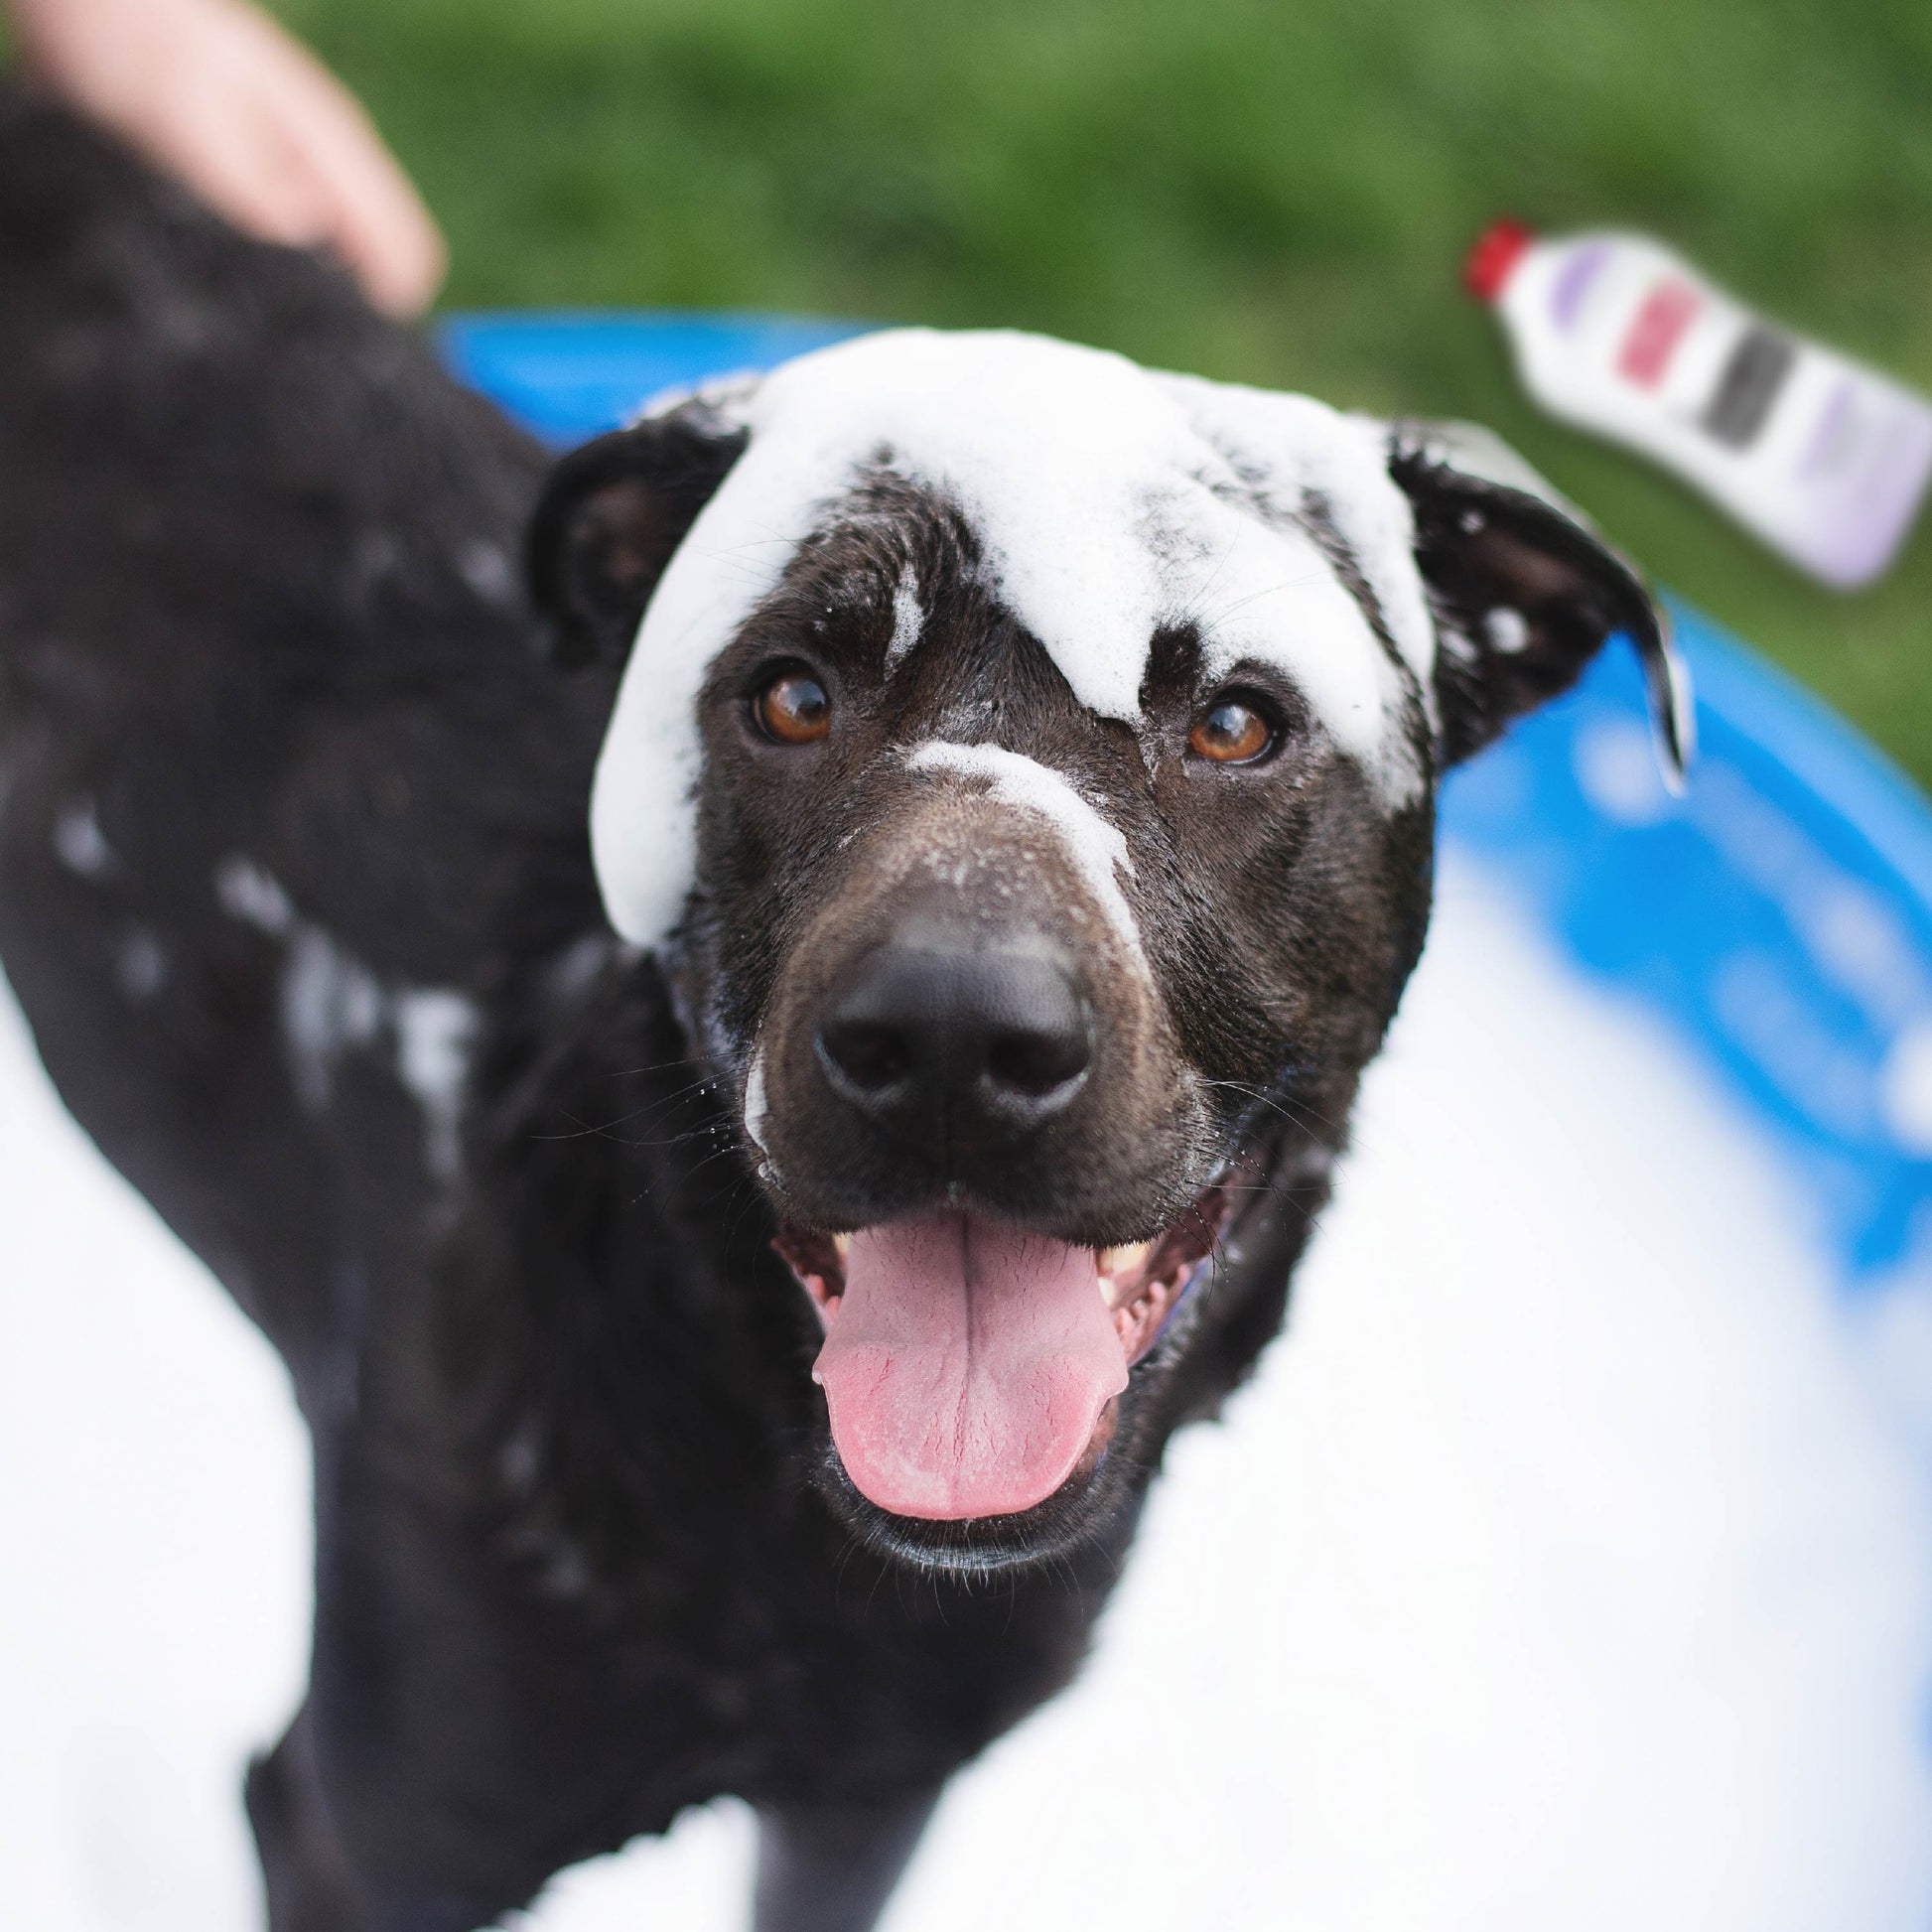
(577, 1564)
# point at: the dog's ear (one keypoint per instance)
(609, 517)
(1524, 591)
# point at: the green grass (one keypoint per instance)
(1280, 193)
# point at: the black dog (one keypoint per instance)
(1018, 805)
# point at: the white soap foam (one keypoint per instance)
(1507, 630)
(1108, 501)
(1097, 846)
(434, 1030)
(154, 1554)
(79, 843)
(757, 1105)
(249, 892)
(1569, 1564)
(1292, 446)
(908, 617)
(332, 1003)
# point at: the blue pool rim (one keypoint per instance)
(1778, 918)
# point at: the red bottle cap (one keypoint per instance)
(1497, 250)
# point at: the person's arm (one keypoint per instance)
(218, 95)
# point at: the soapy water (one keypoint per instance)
(1569, 1561)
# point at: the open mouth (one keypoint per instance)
(970, 1367)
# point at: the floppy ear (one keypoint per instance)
(609, 517)
(1524, 591)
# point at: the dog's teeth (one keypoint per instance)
(843, 1243)
(1116, 1267)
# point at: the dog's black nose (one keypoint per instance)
(947, 1033)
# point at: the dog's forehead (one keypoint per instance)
(1107, 502)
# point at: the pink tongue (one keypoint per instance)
(966, 1366)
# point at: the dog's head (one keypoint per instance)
(1025, 767)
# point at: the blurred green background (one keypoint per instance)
(1272, 193)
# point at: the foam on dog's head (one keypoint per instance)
(1108, 501)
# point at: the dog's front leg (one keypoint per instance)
(831, 1868)
(306, 1874)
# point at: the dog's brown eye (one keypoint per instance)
(793, 709)
(1231, 732)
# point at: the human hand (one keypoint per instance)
(220, 96)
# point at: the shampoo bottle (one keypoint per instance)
(1824, 458)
